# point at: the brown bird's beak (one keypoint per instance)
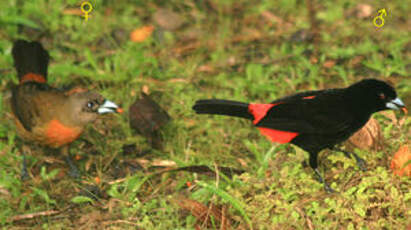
(397, 104)
(109, 107)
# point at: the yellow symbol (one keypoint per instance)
(86, 11)
(381, 13)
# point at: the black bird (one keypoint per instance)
(313, 120)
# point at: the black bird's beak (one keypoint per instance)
(109, 107)
(396, 104)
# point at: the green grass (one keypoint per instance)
(225, 49)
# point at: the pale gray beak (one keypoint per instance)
(395, 104)
(109, 107)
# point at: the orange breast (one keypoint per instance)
(33, 77)
(58, 134)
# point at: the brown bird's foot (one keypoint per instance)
(74, 172)
(327, 187)
(24, 175)
(360, 162)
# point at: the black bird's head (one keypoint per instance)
(376, 95)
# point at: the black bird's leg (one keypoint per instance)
(24, 175)
(74, 172)
(314, 166)
(360, 162)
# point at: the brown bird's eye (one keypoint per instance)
(382, 96)
(90, 104)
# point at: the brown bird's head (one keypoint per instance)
(85, 107)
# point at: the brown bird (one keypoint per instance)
(49, 116)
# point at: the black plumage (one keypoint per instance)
(313, 120)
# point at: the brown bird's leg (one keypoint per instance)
(314, 166)
(74, 172)
(360, 162)
(24, 175)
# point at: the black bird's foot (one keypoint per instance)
(361, 163)
(74, 172)
(327, 187)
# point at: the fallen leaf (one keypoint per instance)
(205, 68)
(302, 36)
(163, 163)
(141, 34)
(329, 64)
(368, 137)
(147, 117)
(73, 11)
(270, 17)
(313, 60)
(167, 19)
(363, 11)
(207, 216)
(356, 60)
(145, 89)
(390, 115)
(400, 163)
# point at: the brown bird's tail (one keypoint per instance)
(31, 61)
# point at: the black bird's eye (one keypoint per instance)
(382, 96)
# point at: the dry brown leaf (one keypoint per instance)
(4, 192)
(73, 11)
(205, 69)
(145, 89)
(270, 17)
(168, 19)
(363, 11)
(390, 115)
(141, 34)
(242, 162)
(313, 60)
(163, 163)
(400, 159)
(329, 64)
(204, 214)
(174, 80)
(368, 137)
(356, 60)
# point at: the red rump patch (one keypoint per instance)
(33, 77)
(259, 111)
(277, 135)
(309, 97)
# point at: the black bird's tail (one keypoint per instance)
(31, 61)
(223, 107)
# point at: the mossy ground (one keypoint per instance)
(242, 50)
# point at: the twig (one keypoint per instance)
(111, 222)
(307, 219)
(33, 215)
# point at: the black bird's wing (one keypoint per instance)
(316, 112)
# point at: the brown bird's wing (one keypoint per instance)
(32, 103)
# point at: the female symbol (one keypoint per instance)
(83, 7)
